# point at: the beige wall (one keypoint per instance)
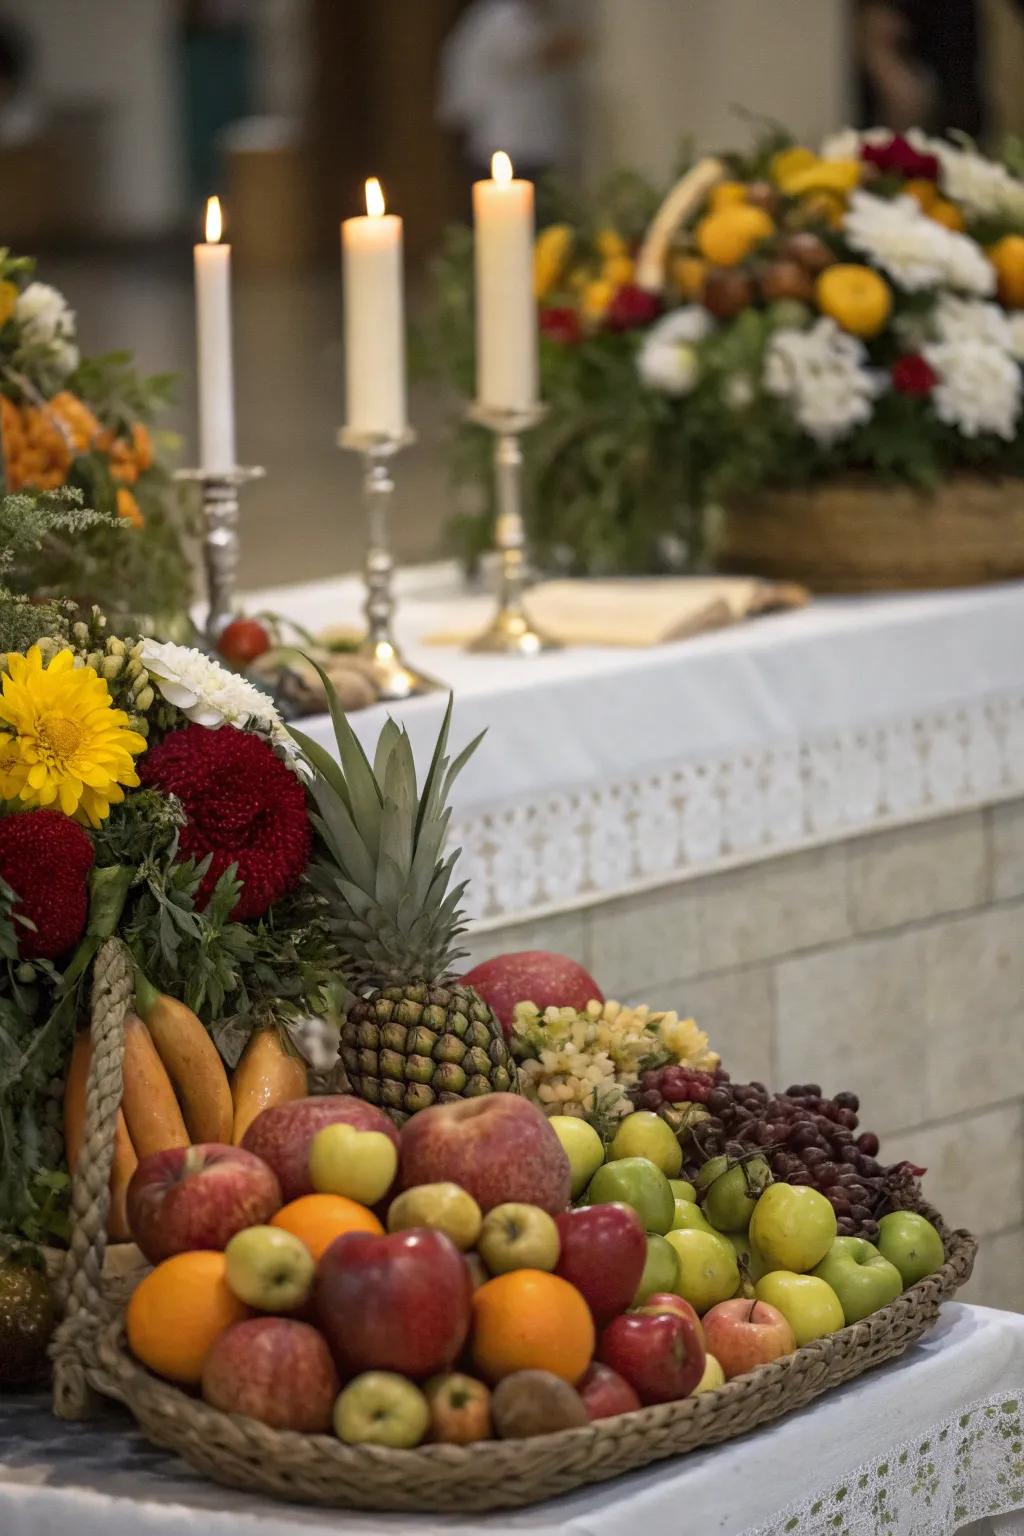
(663, 69)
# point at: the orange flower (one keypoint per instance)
(128, 509)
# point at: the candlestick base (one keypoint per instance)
(396, 679)
(510, 632)
(221, 544)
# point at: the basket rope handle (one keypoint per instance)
(684, 198)
(113, 991)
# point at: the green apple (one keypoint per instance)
(361, 1165)
(713, 1377)
(583, 1147)
(661, 1271)
(729, 1190)
(446, 1207)
(636, 1182)
(708, 1272)
(645, 1134)
(690, 1217)
(682, 1189)
(809, 1305)
(269, 1268)
(381, 1408)
(518, 1236)
(910, 1242)
(860, 1277)
(793, 1227)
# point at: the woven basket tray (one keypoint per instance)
(90, 1355)
(853, 535)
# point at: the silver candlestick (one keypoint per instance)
(221, 546)
(396, 679)
(510, 631)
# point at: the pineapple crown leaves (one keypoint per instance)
(387, 880)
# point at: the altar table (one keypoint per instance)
(807, 831)
(924, 1446)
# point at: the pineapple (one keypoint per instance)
(412, 1037)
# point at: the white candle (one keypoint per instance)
(506, 312)
(213, 346)
(371, 248)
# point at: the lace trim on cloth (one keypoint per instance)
(970, 1467)
(678, 820)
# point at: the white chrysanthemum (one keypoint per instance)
(43, 315)
(1015, 334)
(667, 360)
(848, 142)
(824, 376)
(982, 187)
(914, 250)
(979, 389)
(739, 392)
(956, 319)
(207, 693)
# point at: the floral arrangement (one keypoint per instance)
(148, 792)
(585, 1063)
(859, 308)
(86, 424)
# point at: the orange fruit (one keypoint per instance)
(727, 236)
(530, 1320)
(855, 297)
(1007, 256)
(318, 1219)
(177, 1312)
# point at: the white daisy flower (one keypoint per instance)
(914, 250)
(824, 376)
(207, 693)
(979, 388)
(667, 361)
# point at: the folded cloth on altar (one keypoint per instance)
(644, 610)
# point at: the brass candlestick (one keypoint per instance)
(510, 631)
(396, 679)
(221, 543)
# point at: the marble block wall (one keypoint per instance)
(891, 964)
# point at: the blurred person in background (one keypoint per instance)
(21, 113)
(216, 68)
(920, 64)
(507, 81)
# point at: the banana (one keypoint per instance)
(268, 1073)
(151, 1111)
(193, 1063)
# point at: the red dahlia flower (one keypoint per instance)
(631, 308)
(899, 158)
(561, 325)
(45, 858)
(243, 806)
(912, 375)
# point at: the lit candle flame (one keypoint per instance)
(374, 198)
(501, 167)
(214, 220)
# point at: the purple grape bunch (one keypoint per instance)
(807, 1137)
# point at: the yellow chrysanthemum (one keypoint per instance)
(550, 257)
(67, 745)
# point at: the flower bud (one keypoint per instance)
(111, 667)
(144, 699)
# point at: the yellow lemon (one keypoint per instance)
(788, 161)
(727, 237)
(855, 297)
(839, 176)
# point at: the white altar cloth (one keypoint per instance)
(919, 1447)
(606, 771)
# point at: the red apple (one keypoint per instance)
(605, 1393)
(499, 1147)
(274, 1370)
(198, 1197)
(741, 1334)
(531, 976)
(282, 1134)
(603, 1253)
(661, 1357)
(398, 1303)
(668, 1301)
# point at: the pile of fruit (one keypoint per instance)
(483, 1271)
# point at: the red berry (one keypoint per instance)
(242, 641)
